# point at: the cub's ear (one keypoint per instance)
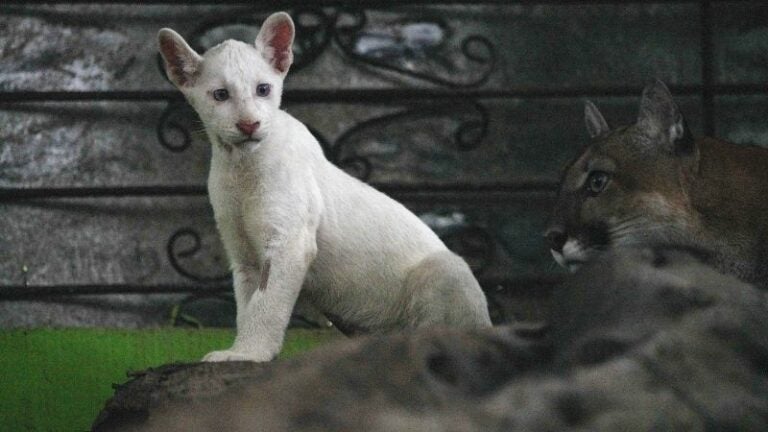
(275, 40)
(181, 61)
(596, 124)
(662, 120)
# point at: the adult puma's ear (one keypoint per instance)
(275, 40)
(181, 61)
(662, 120)
(596, 124)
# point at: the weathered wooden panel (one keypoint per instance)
(112, 47)
(740, 42)
(438, 142)
(742, 119)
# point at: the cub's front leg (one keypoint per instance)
(265, 295)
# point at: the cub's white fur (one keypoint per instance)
(291, 221)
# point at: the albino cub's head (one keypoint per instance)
(234, 87)
(628, 186)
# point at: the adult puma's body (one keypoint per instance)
(729, 202)
(651, 182)
(292, 222)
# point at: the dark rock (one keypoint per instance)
(640, 339)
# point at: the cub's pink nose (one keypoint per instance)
(247, 128)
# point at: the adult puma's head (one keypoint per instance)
(628, 186)
(235, 87)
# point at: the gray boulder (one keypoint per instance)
(639, 339)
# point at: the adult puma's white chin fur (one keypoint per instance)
(570, 265)
(558, 257)
(572, 256)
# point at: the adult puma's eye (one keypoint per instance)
(263, 90)
(596, 182)
(221, 95)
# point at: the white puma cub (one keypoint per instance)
(292, 221)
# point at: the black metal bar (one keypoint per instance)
(532, 286)
(707, 72)
(379, 96)
(432, 193)
(67, 96)
(32, 292)
(277, 4)
(541, 193)
(18, 194)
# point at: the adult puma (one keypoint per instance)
(293, 222)
(651, 182)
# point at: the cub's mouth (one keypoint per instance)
(240, 142)
(243, 142)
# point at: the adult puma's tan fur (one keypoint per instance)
(651, 182)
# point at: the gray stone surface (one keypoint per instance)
(640, 339)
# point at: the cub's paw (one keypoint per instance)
(229, 355)
(226, 355)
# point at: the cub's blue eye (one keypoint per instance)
(221, 95)
(263, 90)
(596, 182)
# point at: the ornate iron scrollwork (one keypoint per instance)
(414, 47)
(313, 33)
(313, 29)
(175, 252)
(471, 133)
(173, 129)
(417, 48)
(471, 130)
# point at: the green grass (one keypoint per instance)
(58, 379)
